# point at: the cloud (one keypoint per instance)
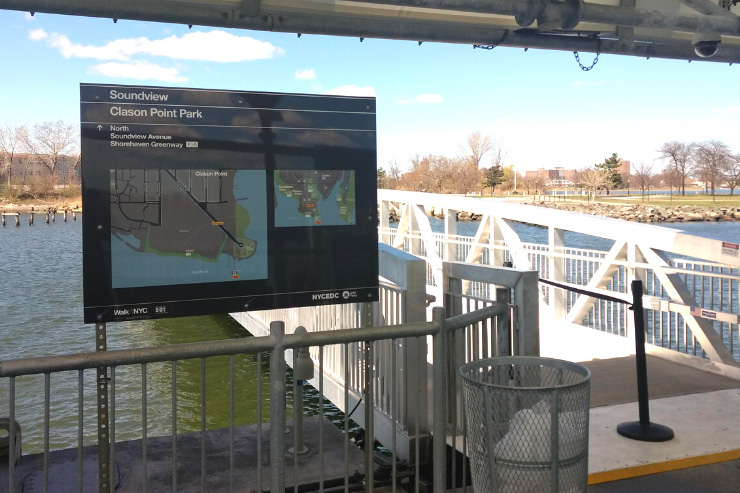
(212, 46)
(350, 90)
(37, 34)
(138, 71)
(307, 74)
(429, 98)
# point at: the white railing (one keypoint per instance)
(403, 299)
(691, 283)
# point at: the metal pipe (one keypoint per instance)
(121, 357)
(708, 22)
(259, 421)
(460, 321)
(112, 479)
(653, 19)
(439, 425)
(144, 451)
(203, 424)
(174, 426)
(277, 407)
(80, 413)
(231, 423)
(47, 406)
(11, 437)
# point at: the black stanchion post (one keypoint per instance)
(643, 429)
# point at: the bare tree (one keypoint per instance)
(394, 171)
(50, 142)
(498, 154)
(594, 179)
(644, 176)
(11, 143)
(477, 146)
(732, 173)
(441, 172)
(680, 159)
(713, 158)
(669, 177)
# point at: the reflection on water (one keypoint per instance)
(41, 315)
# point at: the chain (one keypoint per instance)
(596, 59)
(490, 47)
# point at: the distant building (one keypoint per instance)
(625, 169)
(557, 177)
(29, 166)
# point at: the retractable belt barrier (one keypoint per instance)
(643, 429)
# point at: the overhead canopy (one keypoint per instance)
(680, 29)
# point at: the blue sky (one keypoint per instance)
(542, 108)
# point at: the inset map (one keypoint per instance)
(185, 226)
(315, 198)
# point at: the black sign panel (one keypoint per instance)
(203, 201)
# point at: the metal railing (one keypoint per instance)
(691, 283)
(403, 299)
(155, 369)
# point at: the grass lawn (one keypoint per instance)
(667, 200)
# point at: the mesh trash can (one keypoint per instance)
(527, 424)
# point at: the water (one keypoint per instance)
(41, 315)
(721, 230)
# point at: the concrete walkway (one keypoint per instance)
(702, 408)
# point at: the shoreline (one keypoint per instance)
(646, 213)
(72, 204)
(643, 213)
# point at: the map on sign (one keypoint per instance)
(187, 226)
(314, 198)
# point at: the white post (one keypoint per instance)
(556, 247)
(450, 252)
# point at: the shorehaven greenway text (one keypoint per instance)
(156, 112)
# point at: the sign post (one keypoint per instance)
(105, 464)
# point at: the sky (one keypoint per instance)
(538, 105)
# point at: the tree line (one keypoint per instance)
(461, 174)
(49, 143)
(711, 162)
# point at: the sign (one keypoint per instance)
(203, 201)
(730, 248)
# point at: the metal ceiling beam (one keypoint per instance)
(591, 13)
(653, 19)
(708, 7)
(243, 15)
